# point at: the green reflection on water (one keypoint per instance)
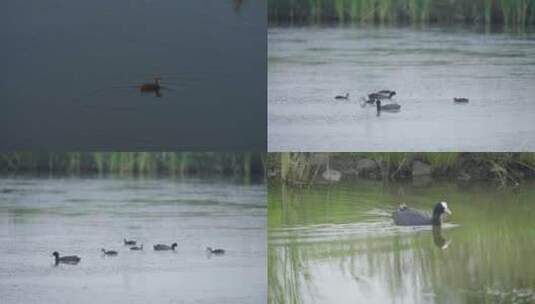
(338, 243)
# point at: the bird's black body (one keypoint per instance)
(346, 96)
(217, 251)
(161, 247)
(460, 100)
(406, 216)
(109, 252)
(129, 242)
(70, 259)
(392, 107)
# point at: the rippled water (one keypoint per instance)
(71, 71)
(338, 244)
(82, 215)
(308, 66)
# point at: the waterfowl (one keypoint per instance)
(70, 259)
(160, 247)
(405, 216)
(460, 100)
(137, 248)
(384, 94)
(392, 107)
(215, 251)
(109, 252)
(127, 242)
(151, 87)
(346, 96)
(154, 87)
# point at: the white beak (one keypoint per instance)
(447, 211)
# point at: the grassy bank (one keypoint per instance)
(304, 168)
(518, 13)
(133, 163)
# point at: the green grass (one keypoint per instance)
(132, 163)
(518, 13)
(504, 167)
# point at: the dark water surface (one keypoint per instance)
(81, 215)
(70, 71)
(427, 68)
(338, 244)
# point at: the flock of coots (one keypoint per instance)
(378, 97)
(73, 259)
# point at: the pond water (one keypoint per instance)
(309, 65)
(338, 244)
(79, 216)
(71, 71)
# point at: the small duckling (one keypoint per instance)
(109, 252)
(137, 247)
(346, 96)
(127, 242)
(217, 251)
(70, 259)
(460, 100)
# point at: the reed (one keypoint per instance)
(505, 168)
(134, 163)
(518, 13)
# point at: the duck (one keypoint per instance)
(127, 242)
(137, 247)
(109, 252)
(392, 107)
(346, 96)
(151, 87)
(215, 251)
(70, 259)
(160, 247)
(405, 216)
(460, 100)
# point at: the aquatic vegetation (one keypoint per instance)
(132, 163)
(504, 168)
(507, 12)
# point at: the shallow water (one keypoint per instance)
(338, 244)
(70, 71)
(81, 215)
(308, 66)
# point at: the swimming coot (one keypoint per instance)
(127, 242)
(160, 247)
(392, 107)
(460, 100)
(70, 259)
(346, 96)
(109, 252)
(406, 216)
(383, 94)
(137, 247)
(215, 251)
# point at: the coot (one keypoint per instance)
(215, 251)
(160, 247)
(70, 259)
(406, 216)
